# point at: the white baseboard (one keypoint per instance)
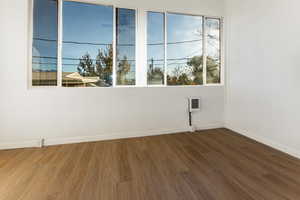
(112, 136)
(209, 126)
(18, 145)
(100, 137)
(268, 142)
(121, 135)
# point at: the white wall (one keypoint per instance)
(263, 67)
(29, 114)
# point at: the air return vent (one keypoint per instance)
(194, 104)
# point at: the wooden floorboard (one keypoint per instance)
(208, 165)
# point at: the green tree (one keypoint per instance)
(122, 70)
(212, 68)
(86, 66)
(155, 74)
(183, 79)
(104, 65)
(178, 77)
(196, 63)
(171, 80)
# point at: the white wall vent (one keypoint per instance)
(194, 104)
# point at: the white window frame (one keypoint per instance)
(165, 48)
(141, 65)
(115, 47)
(204, 43)
(221, 50)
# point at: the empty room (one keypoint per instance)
(149, 100)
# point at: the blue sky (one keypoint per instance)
(184, 38)
(88, 23)
(85, 23)
(155, 35)
(45, 27)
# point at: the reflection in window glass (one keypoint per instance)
(184, 49)
(87, 52)
(213, 50)
(155, 48)
(125, 41)
(44, 46)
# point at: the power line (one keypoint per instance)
(49, 63)
(87, 43)
(179, 42)
(81, 43)
(174, 63)
(44, 63)
(106, 44)
(75, 59)
(45, 39)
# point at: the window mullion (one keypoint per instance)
(165, 49)
(59, 44)
(141, 47)
(30, 72)
(204, 51)
(114, 46)
(222, 56)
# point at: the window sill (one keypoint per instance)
(120, 87)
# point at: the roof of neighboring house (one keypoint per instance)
(67, 76)
(77, 76)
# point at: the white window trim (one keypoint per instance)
(222, 51)
(141, 65)
(114, 76)
(137, 54)
(59, 43)
(30, 43)
(165, 49)
(204, 40)
(204, 53)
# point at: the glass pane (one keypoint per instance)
(125, 46)
(184, 49)
(213, 50)
(44, 46)
(87, 56)
(155, 48)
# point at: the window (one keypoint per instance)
(155, 48)
(81, 44)
(87, 46)
(184, 49)
(213, 48)
(192, 50)
(44, 45)
(125, 46)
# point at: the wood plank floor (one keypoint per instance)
(216, 164)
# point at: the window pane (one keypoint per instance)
(87, 45)
(184, 49)
(125, 46)
(44, 46)
(213, 50)
(155, 48)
